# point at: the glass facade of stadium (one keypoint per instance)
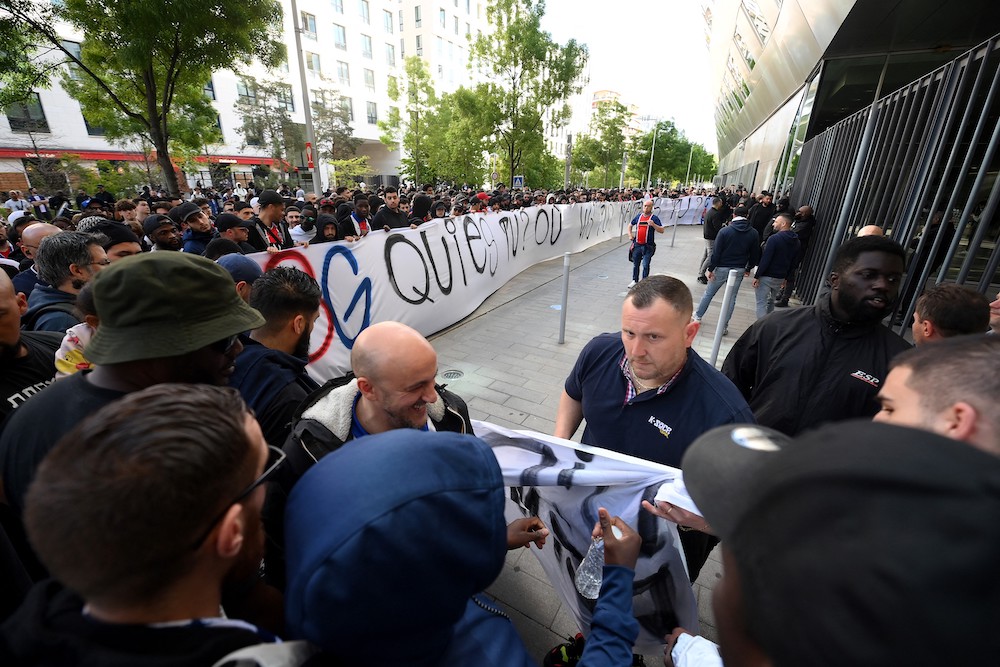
(896, 116)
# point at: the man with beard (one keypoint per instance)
(66, 262)
(162, 232)
(392, 386)
(389, 217)
(271, 372)
(26, 357)
(807, 366)
(143, 568)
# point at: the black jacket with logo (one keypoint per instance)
(801, 368)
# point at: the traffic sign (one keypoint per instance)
(518, 182)
(495, 176)
(309, 155)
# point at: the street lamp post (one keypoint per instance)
(687, 177)
(652, 150)
(306, 108)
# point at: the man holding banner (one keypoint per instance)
(646, 393)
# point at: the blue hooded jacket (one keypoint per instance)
(737, 245)
(44, 296)
(388, 540)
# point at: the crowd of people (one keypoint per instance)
(177, 489)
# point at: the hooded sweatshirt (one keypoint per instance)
(53, 318)
(420, 208)
(400, 570)
(737, 245)
(273, 383)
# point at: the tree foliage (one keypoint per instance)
(143, 65)
(671, 156)
(529, 78)
(335, 138)
(410, 128)
(268, 122)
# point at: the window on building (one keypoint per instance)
(468, 30)
(393, 82)
(339, 36)
(312, 63)
(390, 55)
(247, 91)
(285, 98)
(417, 21)
(366, 46)
(370, 80)
(309, 25)
(456, 24)
(74, 49)
(210, 89)
(347, 104)
(744, 50)
(468, 6)
(757, 20)
(343, 73)
(401, 20)
(365, 12)
(440, 71)
(338, 6)
(387, 21)
(443, 18)
(372, 113)
(440, 45)
(402, 48)
(27, 116)
(94, 130)
(420, 45)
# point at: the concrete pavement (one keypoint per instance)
(506, 362)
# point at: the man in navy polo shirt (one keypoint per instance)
(646, 393)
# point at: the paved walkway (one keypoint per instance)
(512, 372)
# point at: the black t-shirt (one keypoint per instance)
(393, 219)
(35, 428)
(23, 378)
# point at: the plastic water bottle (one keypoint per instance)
(590, 574)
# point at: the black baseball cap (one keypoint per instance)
(857, 542)
(227, 221)
(270, 197)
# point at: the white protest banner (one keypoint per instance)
(563, 483)
(435, 275)
(681, 211)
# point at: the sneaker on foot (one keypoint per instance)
(703, 280)
(695, 318)
(631, 284)
(781, 304)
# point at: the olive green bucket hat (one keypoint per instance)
(164, 304)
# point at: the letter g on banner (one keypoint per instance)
(364, 288)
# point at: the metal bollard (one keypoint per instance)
(727, 298)
(673, 234)
(565, 298)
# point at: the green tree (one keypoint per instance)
(670, 159)
(349, 171)
(457, 145)
(609, 125)
(335, 138)
(143, 66)
(528, 79)
(408, 128)
(267, 121)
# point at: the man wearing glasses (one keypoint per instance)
(66, 262)
(184, 496)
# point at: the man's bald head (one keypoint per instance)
(12, 307)
(871, 230)
(33, 234)
(383, 345)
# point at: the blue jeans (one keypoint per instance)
(768, 289)
(641, 253)
(721, 276)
